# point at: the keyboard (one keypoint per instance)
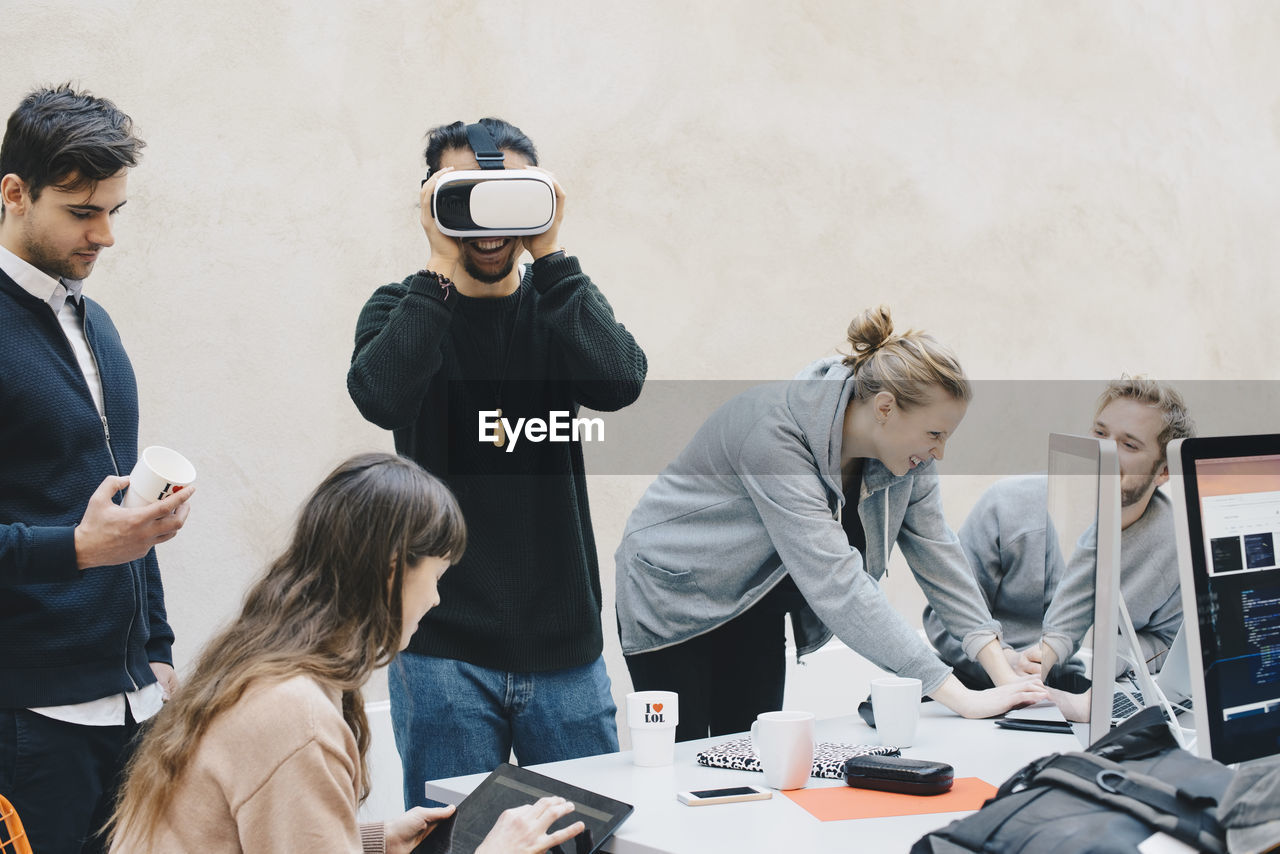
(1124, 707)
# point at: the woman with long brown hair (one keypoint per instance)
(263, 748)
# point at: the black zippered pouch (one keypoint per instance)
(897, 774)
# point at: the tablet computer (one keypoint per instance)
(511, 786)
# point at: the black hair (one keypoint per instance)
(63, 138)
(506, 136)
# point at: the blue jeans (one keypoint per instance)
(452, 718)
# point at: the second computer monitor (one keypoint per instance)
(1226, 494)
(1082, 570)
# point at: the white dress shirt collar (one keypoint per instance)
(42, 286)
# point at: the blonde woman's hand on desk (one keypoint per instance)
(993, 701)
(523, 830)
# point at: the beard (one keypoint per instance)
(47, 260)
(490, 274)
(489, 278)
(1131, 495)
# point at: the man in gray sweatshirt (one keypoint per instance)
(1004, 540)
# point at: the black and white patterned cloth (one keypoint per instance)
(828, 757)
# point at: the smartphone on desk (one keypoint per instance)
(731, 795)
(1033, 725)
(1038, 717)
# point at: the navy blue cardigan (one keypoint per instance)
(66, 636)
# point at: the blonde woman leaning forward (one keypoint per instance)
(788, 500)
(263, 747)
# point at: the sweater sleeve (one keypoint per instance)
(1155, 638)
(1070, 612)
(306, 804)
(786, 488)
(160, 643)
(606, 365)
(980, 540)
(399, 349)
(939, 565)
(31, 554)
(1149, 581)
(373, 838)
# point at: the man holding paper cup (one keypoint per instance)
(84, 642)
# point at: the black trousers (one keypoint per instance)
(727, 676)
(62, 778)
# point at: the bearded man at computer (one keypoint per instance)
(1004, 540)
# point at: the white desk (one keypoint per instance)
(662, 825)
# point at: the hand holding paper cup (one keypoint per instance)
(159, 473)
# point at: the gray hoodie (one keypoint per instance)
(757, 495)
(1003, 539)
(1148, 584)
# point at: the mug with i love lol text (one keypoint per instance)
(159, 473)
(652, 717)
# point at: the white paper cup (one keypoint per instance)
(895, 700)
(784, 743)
(159, 473)
(652, 717)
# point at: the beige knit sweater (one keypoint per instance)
(278, 772)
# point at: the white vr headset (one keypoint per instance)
(491, 200)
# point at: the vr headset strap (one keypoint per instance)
(487, 153)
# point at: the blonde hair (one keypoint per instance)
(907, 366)
(1178, 423)
(330, 607)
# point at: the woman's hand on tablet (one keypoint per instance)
(523, 830)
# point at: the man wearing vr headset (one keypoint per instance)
(512, 658)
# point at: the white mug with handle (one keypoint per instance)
(784, 743)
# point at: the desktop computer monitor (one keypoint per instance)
(1226, 495)
(1082, 570)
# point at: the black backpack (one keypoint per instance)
(1128, 785)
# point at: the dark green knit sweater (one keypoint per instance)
(526, 595)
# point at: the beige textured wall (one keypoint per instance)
(1060, 191)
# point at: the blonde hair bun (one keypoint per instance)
(870, 331)
(908, 366)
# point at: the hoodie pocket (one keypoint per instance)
(682, 580)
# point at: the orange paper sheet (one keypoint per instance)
(839, 803)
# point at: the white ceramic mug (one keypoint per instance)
(159, 473)
(652, 717)
(784, 743)
(895, 701)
